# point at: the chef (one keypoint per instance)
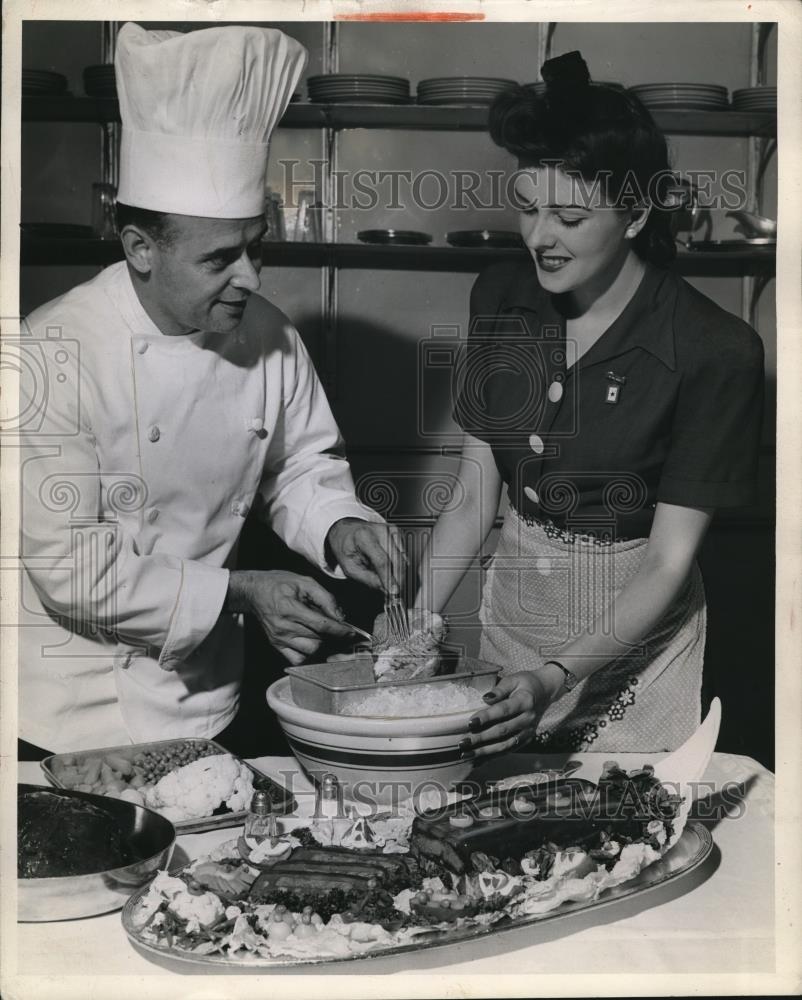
(176, 400)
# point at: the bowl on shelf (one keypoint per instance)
(378, 758)
(148, 837)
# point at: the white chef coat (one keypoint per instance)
(149, 452)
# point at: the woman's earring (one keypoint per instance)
(631, 233)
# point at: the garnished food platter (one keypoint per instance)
(687, 856)
(505, 856)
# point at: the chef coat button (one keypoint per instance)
(536, 444)
(142, 346)
(555, 392)
(257, 427)
(154, 434)
(152, 514)
(531, 495)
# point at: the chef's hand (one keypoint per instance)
(295, 611)
(517, 703)
(368, 552)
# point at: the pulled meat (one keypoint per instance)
(416, 657)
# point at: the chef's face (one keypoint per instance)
(577, 242)
(202, 277)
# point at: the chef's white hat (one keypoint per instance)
(198, 110)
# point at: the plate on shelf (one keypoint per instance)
(401, 237)
(42, 82)
(690, 96)
(354, 87)
(358, 77)
(100, 81)
(539, 86)
(54, 768)
(485, 238)
(359, 99)
(466, 81)
(759, 244)
(461, 90)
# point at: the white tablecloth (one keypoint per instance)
(717, 920)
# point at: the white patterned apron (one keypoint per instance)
(545, 585)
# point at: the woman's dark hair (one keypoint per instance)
(156, 224)
(592, 131)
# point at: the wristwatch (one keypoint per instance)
(571, 680)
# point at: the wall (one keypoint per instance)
(384, 316)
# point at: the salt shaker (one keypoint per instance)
(260, 823)
(329, 798)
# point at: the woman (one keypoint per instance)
(619, 407)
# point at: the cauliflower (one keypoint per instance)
(204, 909)
(197, 789)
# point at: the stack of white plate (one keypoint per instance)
(759, 99)
(42, 82)
(402, 237)
(685, 96)
(99, 81)
(540, 87)
(358, 88)
(485, 238)
(461, 89)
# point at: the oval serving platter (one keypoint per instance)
(689, 853)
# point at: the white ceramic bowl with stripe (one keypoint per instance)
(375, 759)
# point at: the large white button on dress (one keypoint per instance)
(555, 392)
(154, 434)
(536, 444)
(531, 494)
(142, 346)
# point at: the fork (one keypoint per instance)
(395, 611)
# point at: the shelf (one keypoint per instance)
(60, 252)
(409, 116)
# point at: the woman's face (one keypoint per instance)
(578, 244)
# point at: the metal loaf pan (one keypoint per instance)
(334, 687)
(282, 799)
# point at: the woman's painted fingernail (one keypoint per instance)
(464, 745)
(474, 725)
(490, 696)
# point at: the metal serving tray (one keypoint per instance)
(334, 687)
(282, 799)
(687, 856)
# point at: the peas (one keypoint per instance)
(156, 763)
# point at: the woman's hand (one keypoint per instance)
(517, 703)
